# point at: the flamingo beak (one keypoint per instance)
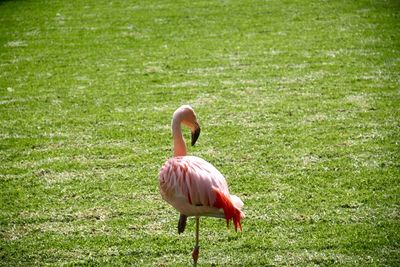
(195, 135)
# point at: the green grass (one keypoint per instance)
(299, 103)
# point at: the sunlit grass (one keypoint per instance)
(298, 103)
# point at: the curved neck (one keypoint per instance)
(179, 143)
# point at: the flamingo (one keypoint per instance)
(193, 186)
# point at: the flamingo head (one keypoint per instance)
(189, 119)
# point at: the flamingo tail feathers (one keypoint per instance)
(231, 206)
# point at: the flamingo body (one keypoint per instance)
(194, 187)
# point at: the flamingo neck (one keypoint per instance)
(179, 143)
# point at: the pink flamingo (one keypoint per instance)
(193, 186)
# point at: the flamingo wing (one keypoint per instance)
(196, 188)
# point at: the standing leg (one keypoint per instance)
(195, 253)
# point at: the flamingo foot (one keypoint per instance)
(195, 254)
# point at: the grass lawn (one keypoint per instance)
(299, 103)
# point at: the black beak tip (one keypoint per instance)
(195, 136)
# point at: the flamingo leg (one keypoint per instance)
(182, 223)
(195, 253)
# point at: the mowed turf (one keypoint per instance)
(299, 103)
